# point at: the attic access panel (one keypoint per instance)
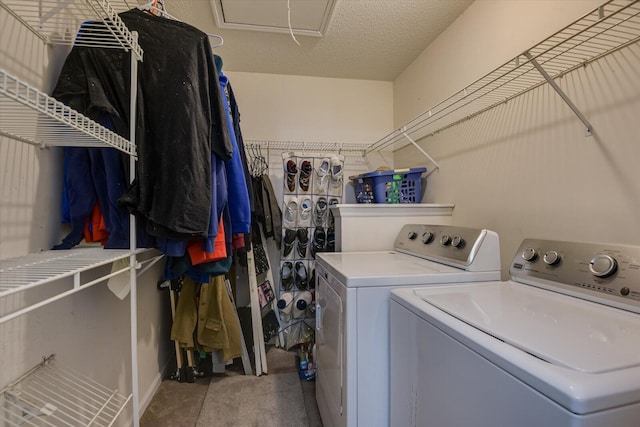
(308, 17)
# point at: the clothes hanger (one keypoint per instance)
(157, 7)
(260, 163)
(257, 163)
(217, 37)
(252, 160)
(263, 161)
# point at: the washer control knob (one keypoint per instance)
(412, 235)
(445, 240)
(551, 257)
(457, 242)
(427, 237)
(603, 266)
(529, 254)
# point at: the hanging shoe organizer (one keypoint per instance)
(313, 182)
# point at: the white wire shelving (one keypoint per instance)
(30, 271)
(306, 145)
(48, 395)
(57, 22)
(30, 116)
(606, 29)
(27, 114)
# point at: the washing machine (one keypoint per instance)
(352, 311)
(557, 345)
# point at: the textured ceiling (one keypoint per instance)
(366, 39)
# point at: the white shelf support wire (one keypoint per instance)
(28, 115)
(50, 396)
(424, 153)
(57, 22)
(149, 263)
(606, 29)
(560, 92)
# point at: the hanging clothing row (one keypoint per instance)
(191, 183)
(191, 193)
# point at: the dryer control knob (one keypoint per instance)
(529, 254)
(603, 266)
(427, 237)
(445, 240)
(551, 257)
(412, 235)
(457, 242)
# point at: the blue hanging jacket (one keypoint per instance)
(239, 206)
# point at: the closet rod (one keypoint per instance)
(309, 145)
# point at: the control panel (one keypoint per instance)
(450, 244)
(603, 273)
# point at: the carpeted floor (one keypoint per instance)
(250, 401)
(234, 399)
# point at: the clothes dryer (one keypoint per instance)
(352, 311)
(557, 345)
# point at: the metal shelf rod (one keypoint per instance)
(308, 145)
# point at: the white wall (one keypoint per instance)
(89, 331)
(299, 108)
(314, 109)
(526, 169)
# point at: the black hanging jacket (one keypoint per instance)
(180, 117)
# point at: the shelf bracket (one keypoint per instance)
(38, 144)
(565, 98)
(406, 135)
(54, 11)
(150, 263)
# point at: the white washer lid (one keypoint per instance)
(381, 263)
(563, 330)
(390, 268)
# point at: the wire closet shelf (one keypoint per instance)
(30, 116)
(57, 22)
(606, 29)
(308, 145)
(50, 396)
(37, 269)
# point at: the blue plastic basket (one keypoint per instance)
(392, 186)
